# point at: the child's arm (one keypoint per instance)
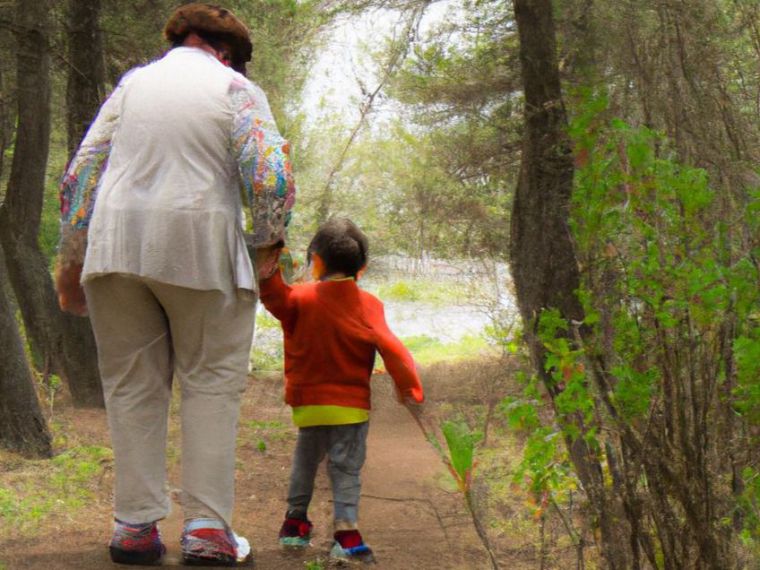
(398, 360)
(279, 299)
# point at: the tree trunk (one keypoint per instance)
(543, 260)
(6, 122)
(64, 342)
(22, 425)
(86, 74)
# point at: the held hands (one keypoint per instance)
(267, 259)
(71, 297)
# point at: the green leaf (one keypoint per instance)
(460, 440)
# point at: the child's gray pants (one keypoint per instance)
(346, 449)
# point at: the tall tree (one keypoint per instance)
(22, 425)
(86, 74)
(64, 343)
(543, 260)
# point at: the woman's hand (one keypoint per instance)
(71, 297)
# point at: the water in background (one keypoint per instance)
(482, 294)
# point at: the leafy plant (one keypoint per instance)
(460, 461)
(316, 564)
(460, 440)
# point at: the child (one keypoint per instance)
(332, 330)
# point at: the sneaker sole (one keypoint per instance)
(135, 558)
(223, 563)
(340, 557)
(294, 542)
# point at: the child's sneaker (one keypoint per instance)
(295, 531)
(207, 542)
(349, 546)
(138, 544)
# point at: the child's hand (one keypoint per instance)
(416, 408)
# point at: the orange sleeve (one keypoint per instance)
(277, 296)
(397, 358)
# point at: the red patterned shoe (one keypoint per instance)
(295, 531)
(136, 544)
(349, 547)
(208, 542)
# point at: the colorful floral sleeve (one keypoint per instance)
(79, 186)
(263, 158)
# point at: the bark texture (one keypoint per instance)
(86, 77)
(62, 343)
(22, 425)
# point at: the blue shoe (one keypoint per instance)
(136, 544)
(349, 547)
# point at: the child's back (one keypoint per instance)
(332, 330)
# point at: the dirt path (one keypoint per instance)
(406, 515)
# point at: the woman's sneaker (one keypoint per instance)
(349, 546)
(137, 544)
(208, 542)
(295, 531)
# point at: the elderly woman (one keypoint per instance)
(180, 159)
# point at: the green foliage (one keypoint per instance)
(567, 370)
(747, 354)
(265, 321)
(521, 414)
(669, 289)
(749, 507)
(266, 360)
(544, 470)
(647, 219)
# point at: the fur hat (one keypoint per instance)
(214, 21)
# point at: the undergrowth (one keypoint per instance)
(37, 489)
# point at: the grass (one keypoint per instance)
(266, 425)
(429, 350)
(63, 484)
(265, 432)
(424, 291)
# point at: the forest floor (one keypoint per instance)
(410, 513)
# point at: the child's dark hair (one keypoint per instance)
(342, 246)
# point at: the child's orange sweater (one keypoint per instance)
(332, 330)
